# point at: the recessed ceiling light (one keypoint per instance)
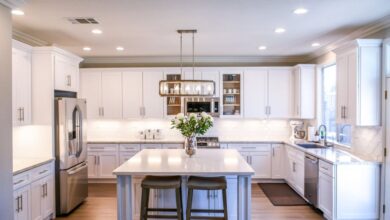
(280, 30)
(262, 48)
(315, 44)
(97, 31)
(87, 49)
(120, 48)
(17, 12)
(300, 11)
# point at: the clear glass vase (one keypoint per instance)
(190, 145)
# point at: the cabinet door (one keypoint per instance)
(23, 212)
(48, 199)
(90, 87)
(278, 161)
(153, 102)
(280, 93)
(289, 169)
(62, 79)
(350, 111)
(126, 156)
(132, 94)
(261, 163)
(112, 95)
(73, 77)
(255, 93)
(299, 177)
(214, 76)
(232, 198)
(306, 97)
(107, 162)
(92, 165)
(37, 195)
(342, 87)
(21, 87)
(325, 194)
(201, 200)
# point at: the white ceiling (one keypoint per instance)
(225, 27)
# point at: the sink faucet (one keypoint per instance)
(323, 135)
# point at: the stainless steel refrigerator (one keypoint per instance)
(71, 154)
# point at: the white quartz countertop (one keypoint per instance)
(23, 164)
(205, 162)
(136, 141)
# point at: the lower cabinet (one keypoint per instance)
(295, 170)
(278, 156)
(34, 193)
(325, 194)
(101, 164)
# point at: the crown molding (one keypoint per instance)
(28, 39)
(12, 3)
(362, 32)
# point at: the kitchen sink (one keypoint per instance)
(310, 145)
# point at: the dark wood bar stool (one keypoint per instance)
(206, 183)
(161, 182)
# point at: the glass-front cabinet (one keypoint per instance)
(231, 90)
(173, 103)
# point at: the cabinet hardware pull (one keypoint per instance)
(20, 181)
(103, 111)
(345, 112)
(22, 113)
(21, 203)
(17, 204)
(43, 191)
(248, 147)
(19, 114)
(324, 168)
(69, 80)
(42, 172)
(273, 152)
(293, 166)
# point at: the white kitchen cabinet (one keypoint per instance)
(21, 83)
(153, 103)
(66, 73)
(172, 146)
(103, 92)
(125, 156)
(102, 160)
(111, 100)
(22, 198)
(255, 93)
(214, 75)
(42, 198)
(304, 91)
(359, 83)
(280, 99)
(232, 93)
(295, 170)
(325, 194)
(151, 146)
(132, 94)
(278, 156)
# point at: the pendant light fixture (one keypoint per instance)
(178, 88)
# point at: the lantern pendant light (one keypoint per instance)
(178, 88)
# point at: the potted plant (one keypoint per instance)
(190, 126)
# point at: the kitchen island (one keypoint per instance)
(167, 162)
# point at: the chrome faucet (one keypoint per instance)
(324, 134)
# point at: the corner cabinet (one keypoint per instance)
(304, 81)
(359, 83)
(21, 83)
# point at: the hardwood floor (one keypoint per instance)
(101, 205)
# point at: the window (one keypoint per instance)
(340, 133)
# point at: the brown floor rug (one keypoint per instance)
(281, 194)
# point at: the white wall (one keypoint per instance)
(6, 198)
(226, 129)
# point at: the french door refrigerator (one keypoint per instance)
(71, 154)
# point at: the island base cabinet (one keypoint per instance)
(202, 199)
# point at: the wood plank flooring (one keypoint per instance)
(101, 205)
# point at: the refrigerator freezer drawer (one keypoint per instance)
(73, 187)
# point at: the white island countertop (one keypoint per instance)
(205, 162)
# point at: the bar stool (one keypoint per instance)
(206, 183)
(161, 182)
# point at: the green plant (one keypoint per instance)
(192, 124)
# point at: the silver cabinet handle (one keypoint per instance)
(342, 111)
(17, 204)
(98, 160)
(43, 191)
(19, 114)
(294, 167)
(69, 80)
(20, 181)
(273, 152)
(345, 112)
(324, 168)
(248, 147)
(103, 111)
(42, 172)
(21, 203)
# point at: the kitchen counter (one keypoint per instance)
(23, 164)
(136, 141)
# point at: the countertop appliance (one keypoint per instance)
(197, 105)
(71, 154)
(207, 142)
(311, 179)
(297, 130)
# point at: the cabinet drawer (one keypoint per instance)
(21, 179)
(173, 146)
(102, 147)
(151, 146)
(130, 147)
(41, 171)
(251, 147)
(326, 168)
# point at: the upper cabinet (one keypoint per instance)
(132, 94)
(21, 83)
(268, 92)
(66, 70)
(304, 91)
(103, 92)
(359, 83)
(232, 93)
(153, 103)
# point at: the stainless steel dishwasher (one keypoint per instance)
(311, 179)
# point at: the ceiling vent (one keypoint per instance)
(81, 20)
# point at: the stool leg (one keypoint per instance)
(179, 204)
(189, 204)
(225, 212)
(144, 203)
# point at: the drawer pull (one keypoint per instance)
(100, 148)
(325, 168)
(42, 172)
(20, 181)
(248, 147)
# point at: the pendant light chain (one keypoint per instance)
(181, 55)
(193, 55)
